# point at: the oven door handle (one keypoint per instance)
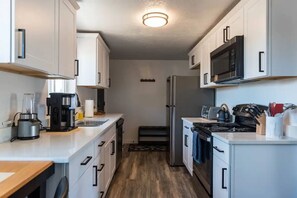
(207, 139)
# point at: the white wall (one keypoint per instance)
(259, 92)
(12, 89)
(143, 103)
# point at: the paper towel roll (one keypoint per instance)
(89, 108)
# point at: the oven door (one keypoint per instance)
(203, 171)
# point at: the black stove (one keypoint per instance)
(222, 127)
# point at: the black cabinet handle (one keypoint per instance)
(86, 161)
(113, 147)
(193, 60)
(186, 127)
(96, 176)
(77, 67)
(101, 144)
(99, 77)
(23, 47)
(223, 178)
(216, 148)
(186, 140)
(227, 33)
(205, 78)
(224, 35)
(260, 61)
(101, 193)
(101, 167)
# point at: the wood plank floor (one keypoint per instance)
(147, 175)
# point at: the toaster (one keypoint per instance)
(210, 112)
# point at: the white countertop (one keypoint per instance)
(58, 147)
(252, 138)
(193, 120)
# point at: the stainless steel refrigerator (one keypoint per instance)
(185, 98)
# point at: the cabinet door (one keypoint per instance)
(235, 25)
(35, 35)
(255, 43)
(207, 47)
(100, 64)
(220, 178)
(185, 146)
(87, 56)
(190, 151)
(67, 38)
(87, 185)
(221, 35)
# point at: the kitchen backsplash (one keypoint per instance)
(259, 92)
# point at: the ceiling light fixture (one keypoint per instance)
(155, 19)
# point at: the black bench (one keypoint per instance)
(153, 135)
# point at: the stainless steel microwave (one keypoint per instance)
(227, 61)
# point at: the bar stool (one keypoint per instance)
(62, 188)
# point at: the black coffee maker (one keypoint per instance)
(61, 108)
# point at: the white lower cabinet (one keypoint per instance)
(220, 178)
(92, 170)
(254, 170)
(188, 146)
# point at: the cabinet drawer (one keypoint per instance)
(221, 150)
(79, 164)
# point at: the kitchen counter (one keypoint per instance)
(193, 120)
(58, 147)
(252, 138)
(23, 179)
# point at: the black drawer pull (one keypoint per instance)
(113, 147)
(96, 176)
(101, 144)
(186, 140)
(186, 127)
(101, 167)
(77, 67)
(223, 178)
(23, 45)
(260, 62)
(86, 161)
(101, 193)
(216, 148)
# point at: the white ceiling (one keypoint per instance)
(120, 24)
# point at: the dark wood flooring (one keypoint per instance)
(147, 175)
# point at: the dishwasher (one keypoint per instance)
(119, 141)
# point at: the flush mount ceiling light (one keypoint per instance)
(155, 19)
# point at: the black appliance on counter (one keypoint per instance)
(244, 122)
(61, 108)
(227, 61)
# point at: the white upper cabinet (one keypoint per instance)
(29, 33)
(36, 37)
(231, 28)
(195, 56)
(255, 34)
(270, 43)
(269, 30)
(93, 57)
(67, 38)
